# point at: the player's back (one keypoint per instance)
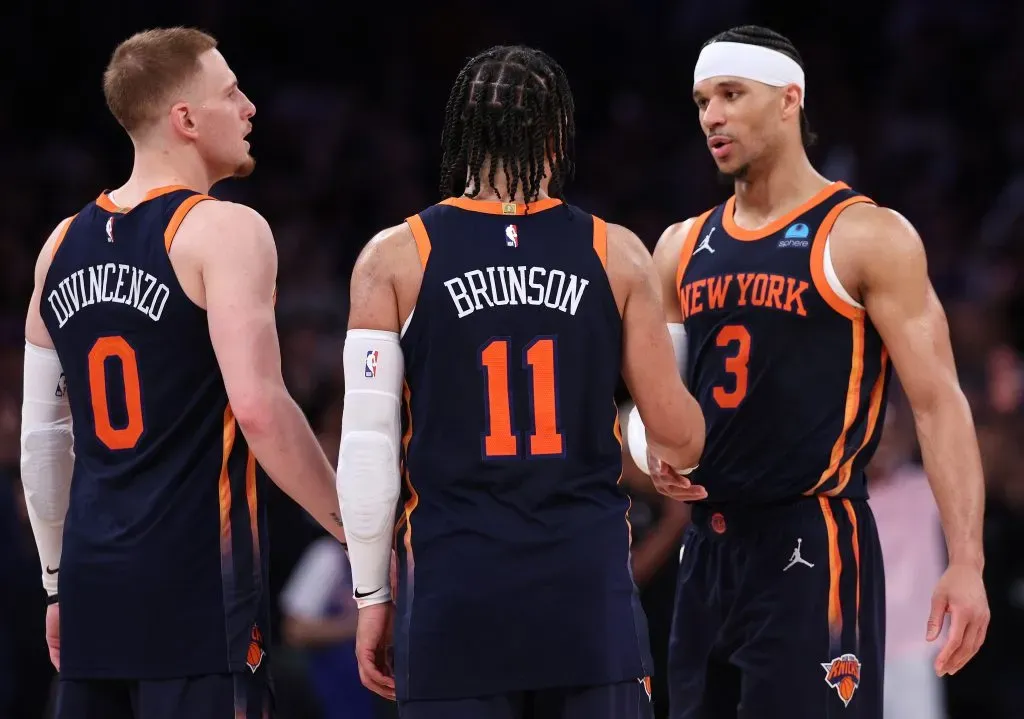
(164, 557)
(514, 539)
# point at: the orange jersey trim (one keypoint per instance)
(686, 252)
(179, 216)
(419, 233)
(502, 208)
(818, 262)
(61, 235)
(601, 241)
(109, 205)
(835, 570)
(745, 235)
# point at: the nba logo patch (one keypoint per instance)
(511, 236)
(370, 369)
(110, 229)
(843, 675)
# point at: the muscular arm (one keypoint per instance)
(47, 438)
(877, 252)
(368, 474)
(675, 424)
(239, 268)
(889, 262)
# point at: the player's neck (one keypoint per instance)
(155, 167)
(768, 193)
(498, 192)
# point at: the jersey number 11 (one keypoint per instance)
(500, 440)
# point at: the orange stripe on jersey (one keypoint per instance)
(874, 410)
(179, 215)
(835, 570)
(419, 233)
(686, 252)
(109, 205)
(250, 498)
(617, 431)
(740, 233)
(61, 235)
(821, 283)
(501, 208)
(601, 241)
(852, 403)
(848, 506)
(414, 497)
(224, 485)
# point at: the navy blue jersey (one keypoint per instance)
(514, 540)
(164, 563)
(791, 377)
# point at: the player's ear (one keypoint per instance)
(790, 98)
(183, 120)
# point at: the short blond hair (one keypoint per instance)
(147, 67)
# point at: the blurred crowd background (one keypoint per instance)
(916, 103)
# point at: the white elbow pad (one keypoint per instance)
(47, 456)
(368, 478)
(678, 334)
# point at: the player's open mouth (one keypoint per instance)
(719, 145)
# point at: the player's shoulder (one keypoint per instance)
(864, 228)
(223, 228)
(670, 244)
(387, 251)
(51, 245)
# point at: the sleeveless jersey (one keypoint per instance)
(164, 563)
(792, 378)
(514, 539)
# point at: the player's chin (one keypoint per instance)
(245, 167)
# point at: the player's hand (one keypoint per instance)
(53, 634)
(672, 484)
(373, 639)
(960, 593)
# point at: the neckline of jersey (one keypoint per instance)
(742, 233)
(490, 207)
(104, 201)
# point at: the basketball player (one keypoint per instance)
(797, 294)
(151, 335)
(493, 328)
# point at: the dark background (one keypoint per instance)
(917, 104)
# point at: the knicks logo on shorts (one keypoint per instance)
(254, 656)
(843, 675)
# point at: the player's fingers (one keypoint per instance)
(974, 635)
(953, 641)
(937, 616)
(373, 679)
(55, 657)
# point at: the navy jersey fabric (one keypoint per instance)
(163, 570)
(514, 540)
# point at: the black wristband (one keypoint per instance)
(51, 600)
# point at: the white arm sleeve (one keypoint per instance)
(636, 432)
(368, 478)
(47, 456)
(678, 334)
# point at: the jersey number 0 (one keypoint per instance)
(539, 360)
(106, 348)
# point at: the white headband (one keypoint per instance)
(752, 62)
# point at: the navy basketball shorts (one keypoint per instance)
(780, 613)
(625, 700)
(214, 696)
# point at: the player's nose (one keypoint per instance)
(713, 116)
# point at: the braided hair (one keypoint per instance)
(512, 106)
(763, 37)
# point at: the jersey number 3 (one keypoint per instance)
(539, 360)
(735, 365)
(115, 348)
